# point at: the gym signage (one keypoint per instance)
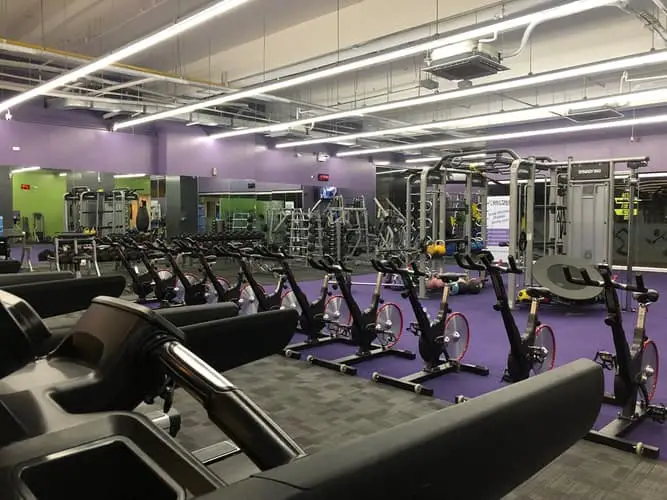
(590, 171)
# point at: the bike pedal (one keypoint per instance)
(606, 360)
(657, 413)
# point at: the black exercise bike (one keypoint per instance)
(311, 314)
(253, 297)
(535, 350)
(448, 336)
(381, 322)
(195, 290)
(220, 288)
(635, 366)
(158, 281)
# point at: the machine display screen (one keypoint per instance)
(328, 193)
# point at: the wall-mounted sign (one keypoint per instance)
(25, 187)
(323, 177)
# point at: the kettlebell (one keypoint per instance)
(474, 286)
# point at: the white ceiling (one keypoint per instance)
(266, 39)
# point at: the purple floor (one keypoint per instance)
(579, 332)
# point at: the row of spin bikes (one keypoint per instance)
(376, 330)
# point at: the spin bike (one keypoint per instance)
(382, 323)
(160, 282)
(311, 314)
(447, 336)
(221, 290)
(253, 297)
(535, 349)
(635, 366)
(195, 290)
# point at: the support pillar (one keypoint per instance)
(182, 198)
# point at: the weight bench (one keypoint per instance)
(503, 438)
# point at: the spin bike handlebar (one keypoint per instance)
(607, 281)
(336, 264)
(320, 265)
(464, 261)
(385, 266)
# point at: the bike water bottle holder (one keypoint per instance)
(606, 360)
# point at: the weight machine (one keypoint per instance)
(105, 212)
(579, 222)
(434, 202)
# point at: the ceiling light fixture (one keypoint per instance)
(62, 174)
(382, 163)
(649, 120)
(475, 33)
(24, 169)
(128, 176)
(426, 159)
(618, 64)
(131, 49)
(644, 98)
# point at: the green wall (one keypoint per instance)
(45, 195)
(141, 184)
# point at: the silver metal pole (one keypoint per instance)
(442, 215)
(633, 181)
(529, 210)
(514, 228)
(422, 227)
(554, 201)
(483, 205)
(408, 210)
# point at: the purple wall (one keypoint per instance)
(651, 142)
(190, 152)
(73, 148)
(170, 150)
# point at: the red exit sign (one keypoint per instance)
(323, 177)
(25, 187)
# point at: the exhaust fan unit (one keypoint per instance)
(465, 61)
(593, 115)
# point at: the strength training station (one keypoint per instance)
(332, 249)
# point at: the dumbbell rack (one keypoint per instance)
(240, 221)
(298, 233)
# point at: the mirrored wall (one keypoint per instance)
(47, 202)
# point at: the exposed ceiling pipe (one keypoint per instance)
(621, 4)
(661, 6)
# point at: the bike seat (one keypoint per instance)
(450, 277)
(538, 292)
(211, 258)
(647, 297)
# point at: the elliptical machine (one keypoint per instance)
(311, 314)
(373, 323)
(448, 335)
(636, 366)
(535, 349)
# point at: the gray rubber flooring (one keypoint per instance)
(319, 408)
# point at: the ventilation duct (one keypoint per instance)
(593, 115)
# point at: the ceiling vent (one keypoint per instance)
(593, 115)
(465, 61)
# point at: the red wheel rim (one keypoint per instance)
(551, 357)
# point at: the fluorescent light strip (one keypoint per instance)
(427, 159)
(619, 64)
(24, 169)
(131, 49)
(513, 135)
(502, 118)
(128, 176)
(476, 33)
(62, 174)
